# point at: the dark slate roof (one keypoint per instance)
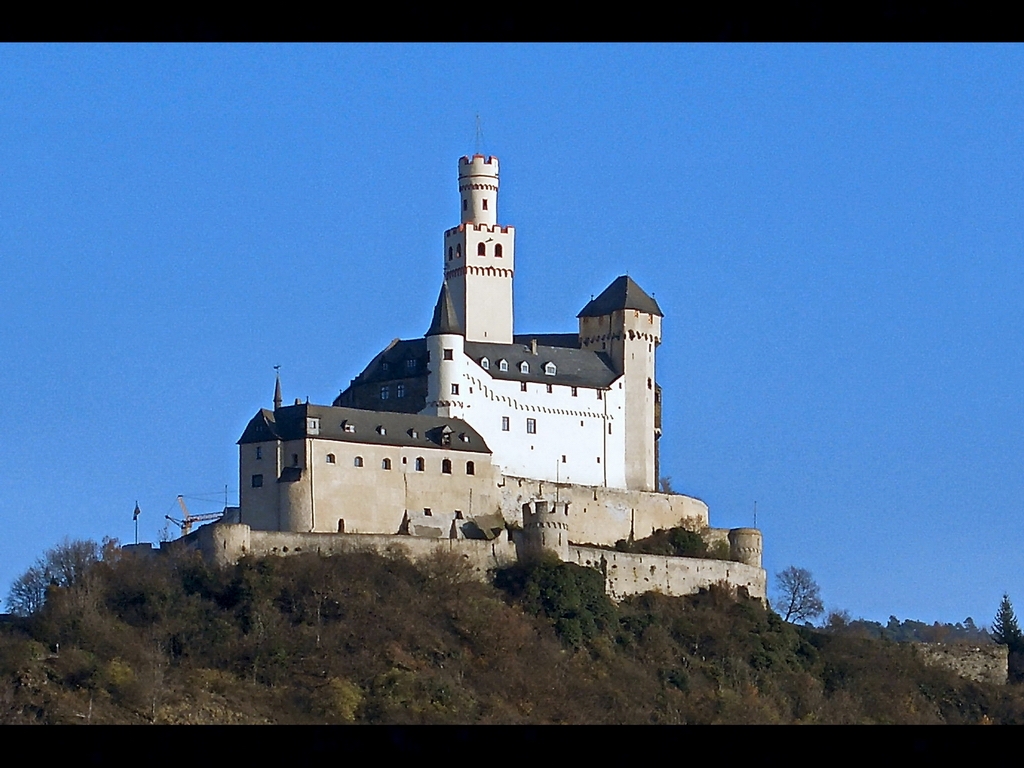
(390, 364)
(569, 340)
(623, 293)
(445, 320)
(574, 367)
(289, 423)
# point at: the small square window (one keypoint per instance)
(448, 355)
(257, 481)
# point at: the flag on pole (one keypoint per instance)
(137, 511)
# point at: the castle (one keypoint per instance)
(491, 444)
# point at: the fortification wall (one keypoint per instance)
(631, 574)
(983, 664)
(599, 515)
(625, 573)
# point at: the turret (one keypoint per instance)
(625, 324)
(479, 256)
(445, 344)
(546, 530)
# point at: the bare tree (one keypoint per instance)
(799, 595)
(63, 566)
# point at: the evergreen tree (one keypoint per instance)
(1005, 629)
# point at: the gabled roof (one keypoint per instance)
(353, 425)
(575, 367)
(445, 320)
(623, 293)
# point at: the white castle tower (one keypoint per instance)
(479, 256)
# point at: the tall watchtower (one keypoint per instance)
(479, 256)
(625, 324)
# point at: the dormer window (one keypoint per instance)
(381, 430)
(524, 367)
(385, 367)
(413, 434)
(346, 427)
(313, 426)
(464, 437)
(549, 369)
(503, 365)
(485, 363)
(410, 364)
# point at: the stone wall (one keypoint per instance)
(983, 664)
(631, 574)
(626, 574)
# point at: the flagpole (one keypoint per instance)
(135, 517)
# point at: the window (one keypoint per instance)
(458, 251)
(257, 481)
(524, 367)
(330, 458)
(410, 364)
(357, 461)
(574, 391)
(599, 395)
(413, 434)
(550, 369)
(455, 389)
(419, 464)
(427, 512)
(448, 355)
(385, 464)
(503, 365)
(259, 452)
(522, 386)
(385, 367)
(381, 430)
(449, 253)
(485, 363)
(550, 389)
(295, 459)
(313, 426)
(400, 390)
(485, 203)
(609, 429)
(531, 426)
(465, 204)
(384, 392)
(446, 466)
(348, 427)
(470, 468)
(563, 458)
(649, 382)
(481, 249)
(497, 251)
(504, 423)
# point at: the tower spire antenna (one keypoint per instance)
(277, 387)
(478, 143)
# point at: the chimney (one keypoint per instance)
(533, 346)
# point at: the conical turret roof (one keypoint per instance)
(623, 293)
(445, 320)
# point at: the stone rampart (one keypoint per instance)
(981, 663)
(627, 573)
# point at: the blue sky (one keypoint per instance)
(833, 232)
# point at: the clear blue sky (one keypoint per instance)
(833, 232)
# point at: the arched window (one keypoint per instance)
(358, 461)
(550, 369)
(458, 251)
(449, 253)
(330, 458)
(446, 466)
(503, 365)
(524, 367)
(385, 464)
(470, 468)
(485, 363)
(497, 251)
(481, 249)
(419, 464)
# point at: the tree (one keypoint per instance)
(1005, 629)
(799, 595)
(63, 566)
